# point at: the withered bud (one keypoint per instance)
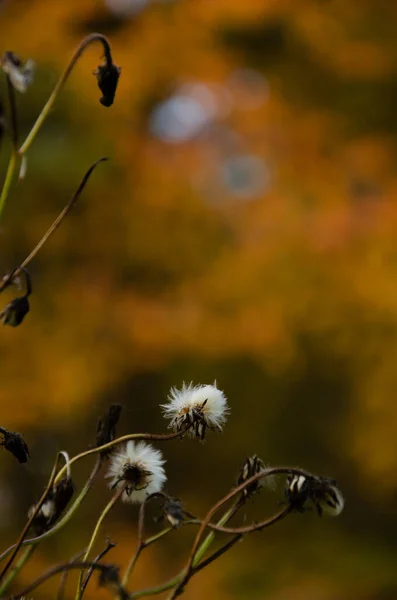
(173, 511)
(106, 429)
(63, 494)
(251, 467)
(21, 76)
(107, 78)
(14, 443)
(109, 578)
(323, 493)
(14, 313)
(55, 503)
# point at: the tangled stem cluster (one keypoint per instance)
(136, 469)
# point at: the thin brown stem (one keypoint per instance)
(65, 519)
(108, 547)
(188, 570)
(93, 37)
(16, 272)
(154, 437)
(55, 571)
(31, 518)
(141, 544)
(204, 563)
(62, 585)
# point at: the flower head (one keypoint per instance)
(55, 503)
(14, 313)
(140, 467)
(21, 76)
(322, 492)
(107, 78)
(196, 408)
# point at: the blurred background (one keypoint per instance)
(244, 230)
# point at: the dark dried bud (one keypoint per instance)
(63, 494)
(107, 77)
(14, 443)
(321, 492)
(53, 506)
(173, 511)
(109, 578)
(251, 467)
(14, 313)
(106, 429)
(21, 76)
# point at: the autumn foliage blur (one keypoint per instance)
(245, 230)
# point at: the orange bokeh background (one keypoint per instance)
(244, 230)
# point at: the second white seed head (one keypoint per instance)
(195, 408)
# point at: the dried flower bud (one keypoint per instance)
(322, 492)
(14, 443)
(55, 503)
(251, 467)
(106, 429)
(21, 76)
(173, 511)
(62, 496)
(107, 78)
(14, 313)
(110, 579)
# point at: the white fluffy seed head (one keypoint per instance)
(196, 407)
(140, 466)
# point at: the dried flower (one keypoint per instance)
(140, 467)
(106, 429)
(14, 313)
(196, 407)
(109, 578)
(251, 467)
(14, 443)
(107, 78)
(322, 492)
(21, 76)
(173, 511)
(53, 506)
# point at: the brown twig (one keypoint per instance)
(109, 546)
(49, 533)
(218, 553)
(189, 569)
(55, 571)
(31, 518)
(17, 271)
(62, 585)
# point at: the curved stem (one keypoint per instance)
(14, 137)
(175, 581)
(32, 517)
(17, 569)
(62, 522)
(98, 525)
(55, 571)
(65, 211)
(158, 437)
(8, 181)
(94, 37)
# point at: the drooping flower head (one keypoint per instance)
(322, 492)
(140, 467)
(196, 408)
